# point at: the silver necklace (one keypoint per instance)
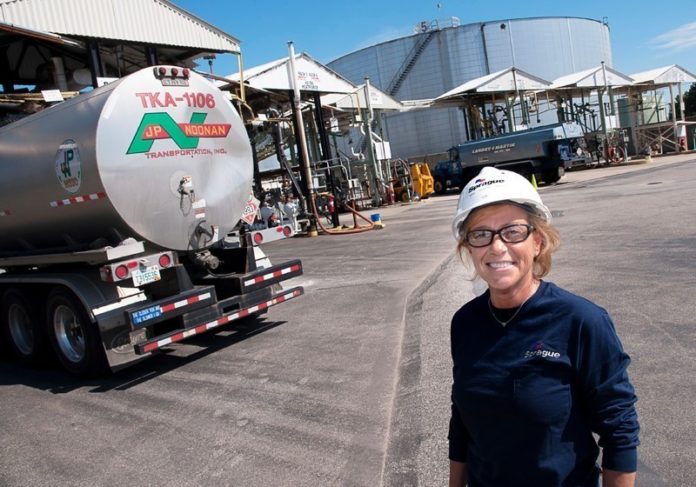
(535, 288)
(504, 323)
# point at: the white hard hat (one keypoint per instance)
(496, 186)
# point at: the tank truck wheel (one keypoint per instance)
(22, 327)
(440, 187)
(74, 337)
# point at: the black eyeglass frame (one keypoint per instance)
(499, 233)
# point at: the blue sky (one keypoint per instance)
(644, 34)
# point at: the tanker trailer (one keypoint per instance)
(545, 152)
(116, 213)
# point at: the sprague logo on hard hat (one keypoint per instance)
(480, 182)
(160, 125)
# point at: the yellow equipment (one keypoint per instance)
(411, 181)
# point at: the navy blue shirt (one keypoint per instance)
(527, 397)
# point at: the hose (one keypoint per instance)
(330, 231)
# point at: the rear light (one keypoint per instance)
(287, 231)
(122, 272)
(165, 260)
(119, 271)
(258, 238)
(172, 76)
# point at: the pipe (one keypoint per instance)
(301, 141)
(355, 229)
(59, 73)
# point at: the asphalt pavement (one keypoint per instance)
(349, 384)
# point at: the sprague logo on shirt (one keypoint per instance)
(540, 350)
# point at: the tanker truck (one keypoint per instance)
(118, 217)
(546, 152)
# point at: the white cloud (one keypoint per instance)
(683, 37)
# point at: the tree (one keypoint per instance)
(689, 102)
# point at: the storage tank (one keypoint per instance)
(444, 54)
(160, 156)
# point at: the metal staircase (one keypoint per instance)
(409, 62)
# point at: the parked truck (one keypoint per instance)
(118, 218)
(545, 152)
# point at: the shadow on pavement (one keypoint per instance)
(52, 379)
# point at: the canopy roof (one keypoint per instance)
(379, 100)
(127, 35)
(312, 76)
(592, 78)
(505, 81)
(666, 75)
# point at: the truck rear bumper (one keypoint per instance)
(161, 341)
(132, 332)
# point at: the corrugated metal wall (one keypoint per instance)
(548, 47)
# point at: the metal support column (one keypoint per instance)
(95, 62)
(151, 55)
(326, 155)
(302, 142)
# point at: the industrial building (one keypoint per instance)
(446, 54)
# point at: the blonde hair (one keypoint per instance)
(550, 241)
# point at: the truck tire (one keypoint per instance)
(440, 186)
(22, 327)
(75, 339)
(553, 176)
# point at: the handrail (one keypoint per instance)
(409, 61)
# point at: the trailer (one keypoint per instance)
(545, 152)
(119, 223)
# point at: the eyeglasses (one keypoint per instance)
(515, 233)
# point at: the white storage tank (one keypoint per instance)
(446, 55)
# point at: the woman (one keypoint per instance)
(537, 370)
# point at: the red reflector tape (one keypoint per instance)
(272, 275)
(177, 337)
(185, 302)
(78, 199)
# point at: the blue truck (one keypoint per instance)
(545, 152)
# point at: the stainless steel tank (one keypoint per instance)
(160, 156)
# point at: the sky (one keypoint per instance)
(644, 34)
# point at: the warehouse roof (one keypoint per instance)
(130, 20)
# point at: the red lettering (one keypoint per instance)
(169, 100)
(154, 100)
(142, 98)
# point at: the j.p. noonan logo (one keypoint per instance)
(161, 125)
